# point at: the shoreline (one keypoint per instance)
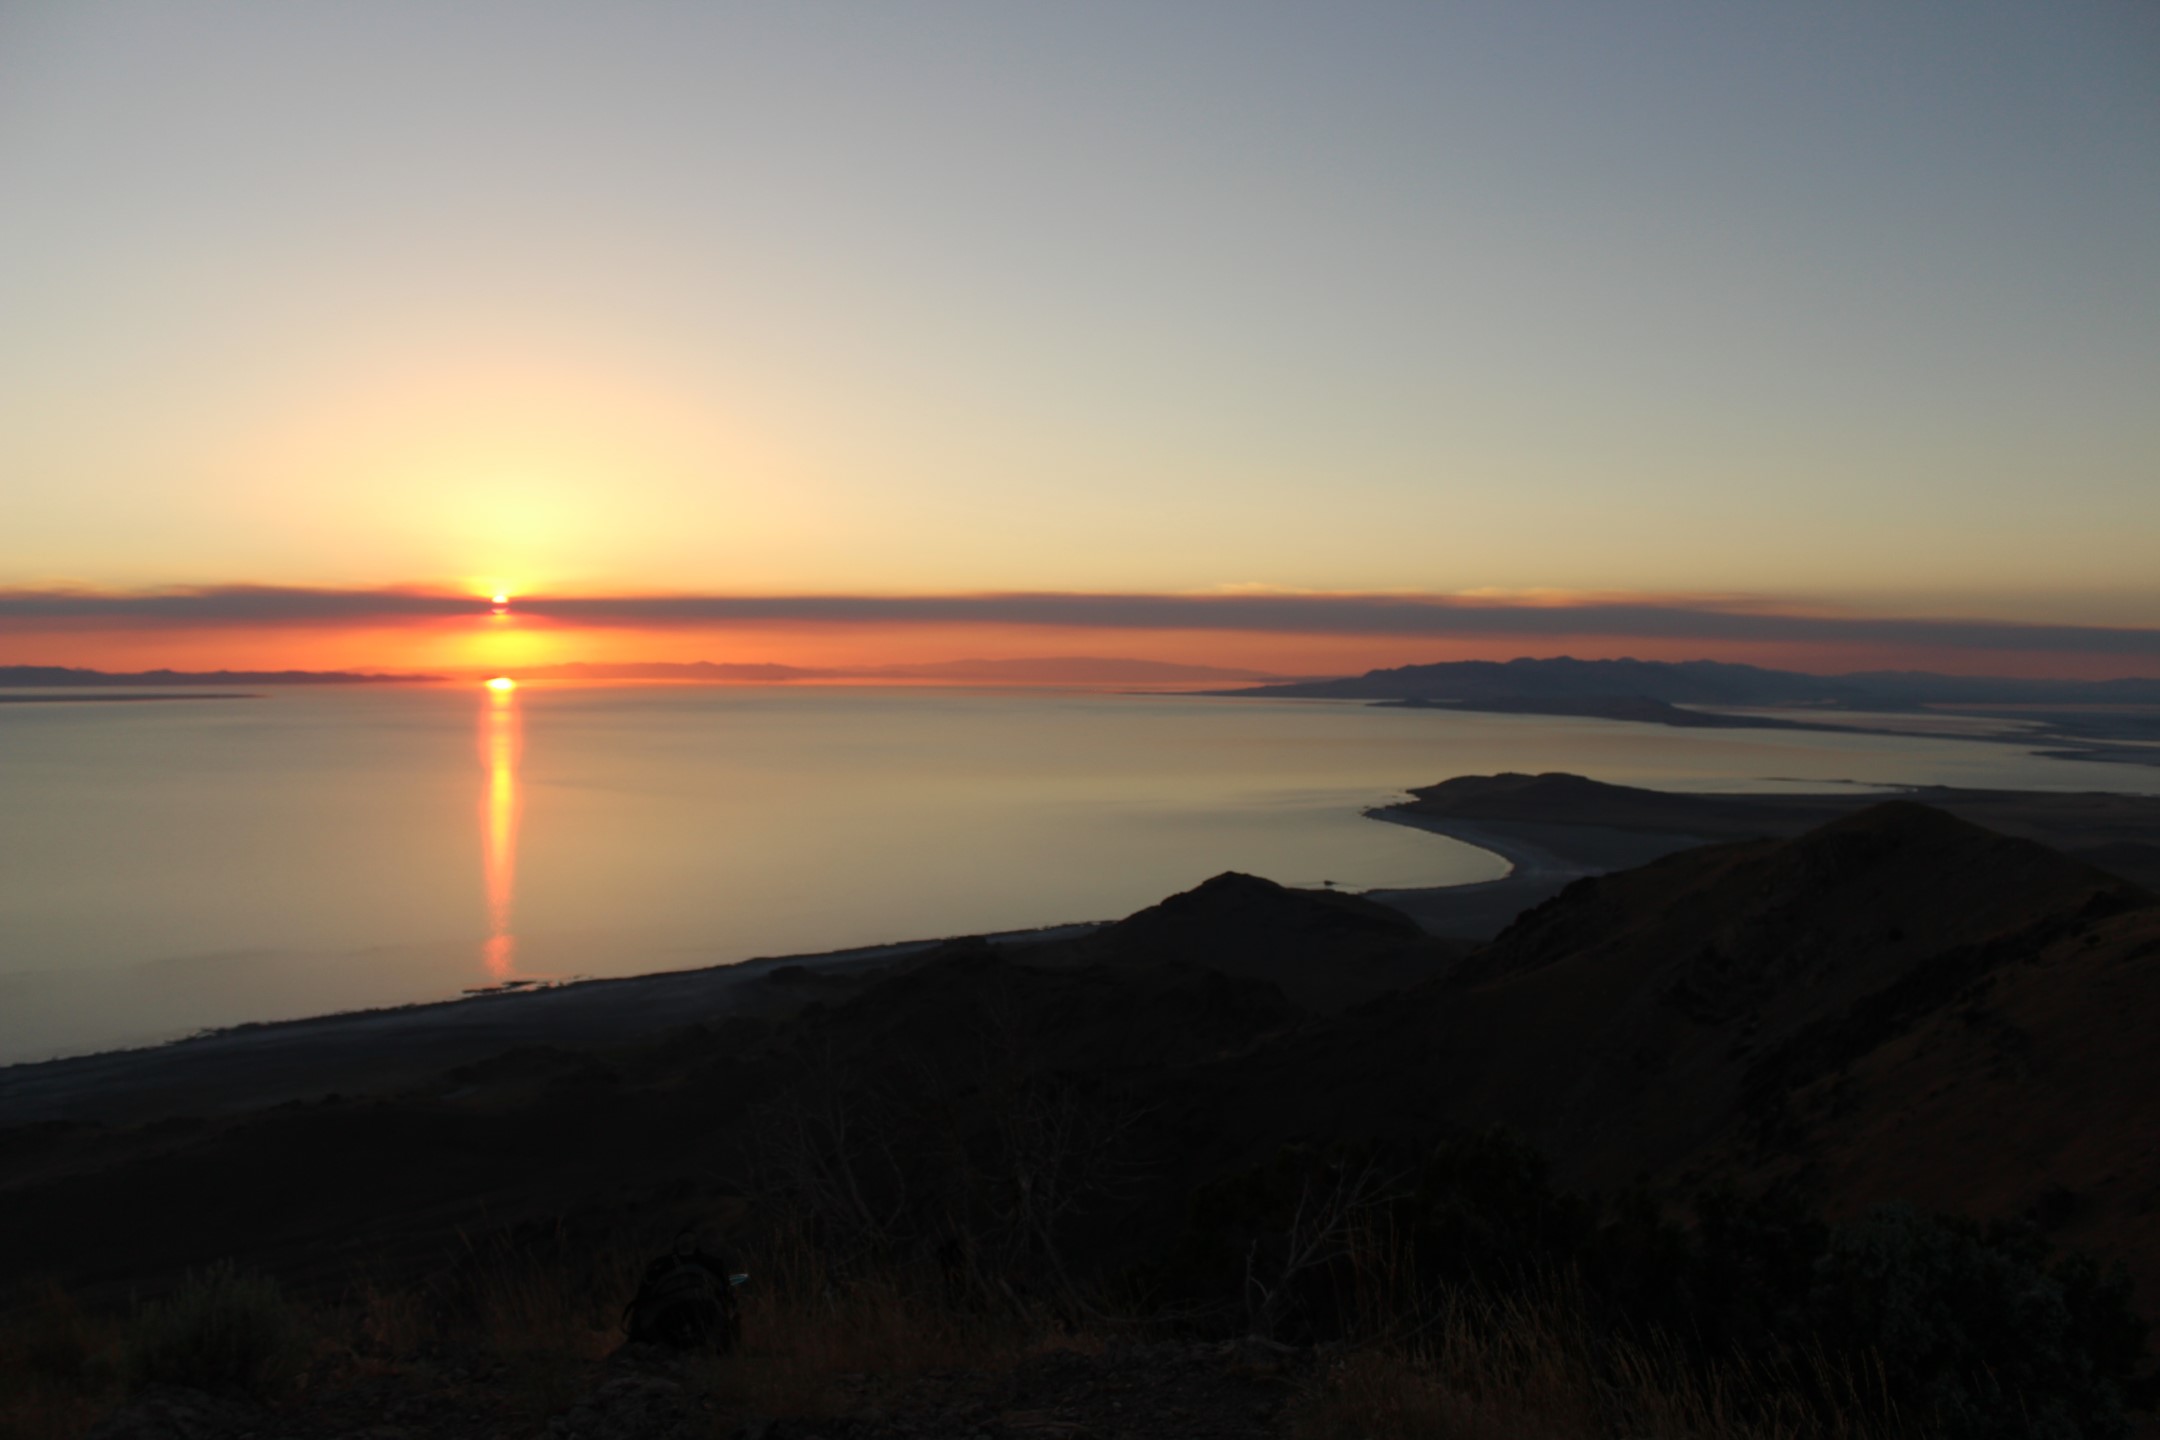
(259, 1064)
(1527, 861)
(1542, 861)
(102, 698)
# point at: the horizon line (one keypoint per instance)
(1378, 614)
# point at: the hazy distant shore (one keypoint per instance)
(2113, 722)
(93, 698)
(52, 677)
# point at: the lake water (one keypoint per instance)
(169, 866)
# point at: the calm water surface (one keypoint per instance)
(170, 866)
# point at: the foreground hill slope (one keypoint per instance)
(2033, 1090)
(1640, 1020)
(1634, 1020)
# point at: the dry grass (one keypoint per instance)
(223, 1330)
(542, 1321)
(62, 1365)
(1389, 1395)
(1518, 1371)
(518, 1305)
(58, 1366)
(44, 1413)
(388, 1323)
(545, 1314)
(816, 1340)
(817, 1343)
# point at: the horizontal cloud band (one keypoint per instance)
(1338, 614)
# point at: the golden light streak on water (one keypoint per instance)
(501, 738)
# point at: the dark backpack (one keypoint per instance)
(686, 1302)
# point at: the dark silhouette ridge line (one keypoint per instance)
(1043, 669)
(116, 699)
(1702, 682)
(2102, 721)
(54, 676)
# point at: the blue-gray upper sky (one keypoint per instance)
(1855, 304)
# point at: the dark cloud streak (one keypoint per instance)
(234, 605)
(1376, 615)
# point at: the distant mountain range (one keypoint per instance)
(1705, 682)
(1556, 686)
(1047, 670)
(55, 675)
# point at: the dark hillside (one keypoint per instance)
(1641, 1024)
(2031, 1090)
(1324, 949)
(1860, 897)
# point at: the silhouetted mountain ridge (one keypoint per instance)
(38, 676)
(1035, 670)
(1703, 682)
(1256, 930)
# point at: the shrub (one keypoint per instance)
(53, 1342)
(1975, 1333)
(224, 1330)
(55, 1367)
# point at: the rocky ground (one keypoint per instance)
(1118, 1392)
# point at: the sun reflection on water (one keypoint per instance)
(501, 737)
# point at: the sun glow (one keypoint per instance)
(500, 740)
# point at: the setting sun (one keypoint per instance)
(501, 683)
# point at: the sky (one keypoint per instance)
(1835, 327)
